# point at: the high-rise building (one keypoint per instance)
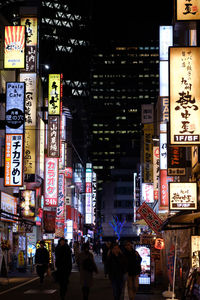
(123, 77)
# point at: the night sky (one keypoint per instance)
(130, 19)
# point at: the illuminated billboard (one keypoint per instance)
(148, 152)
(14, 47)
(13, 160)
(54, 94)
(15, 107)
(183, 195)
(147, 193)
(27, 203)
(9, 205)
(88, 195)
(156, 171)
(184, 95)
(187, 10)
(165, 41)
(51, 182)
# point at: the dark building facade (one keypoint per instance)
(123, 77)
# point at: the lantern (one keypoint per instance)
(159, 244)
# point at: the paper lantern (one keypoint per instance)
(159, 244)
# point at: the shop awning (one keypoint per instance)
(182, 220)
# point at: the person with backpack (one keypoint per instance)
(87, 268)
(63, 265)
(133, 262)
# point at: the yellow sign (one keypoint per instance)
(183, 195)
(184, 95)
(187, 10)
(29, 153)
(54, 94)
(14, 47)
(31, 30)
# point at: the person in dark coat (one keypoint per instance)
(116, 270)
(133, 260)
(41, 260)
(64, 266)
(87, 267)
(106, 249)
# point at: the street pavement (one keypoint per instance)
(27, 287)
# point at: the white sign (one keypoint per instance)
(165, 41)
(163, 151)
(15, 107)
(147, 193)
(183, 195)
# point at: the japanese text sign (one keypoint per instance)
(15, 107)
(51, 182)
(61, 196)
(184, 95)
(150, 217)
(148, 153)
(14, 160)
(53, 136)
(31, 42)
(30, 80)
(14, 47)
(183, 195)
(187, 10)
(54, 94)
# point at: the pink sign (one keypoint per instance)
(51, 182)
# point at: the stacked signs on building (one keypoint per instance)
(14, 134)
(88, 195)
(54, 182)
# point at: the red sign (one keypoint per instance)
(164, 198)
(150, 217)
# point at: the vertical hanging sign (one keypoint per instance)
(184, 95)
(51, 182)
(54, 94)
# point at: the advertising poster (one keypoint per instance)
(14, 47)
(145, 253)
(184, 95)
(15, 107)
(13, 160)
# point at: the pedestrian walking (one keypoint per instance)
(77, 253)
(41, 260)
(105, 248)
(116, 270)
(133, 260)
(63, 265)
(87, 268)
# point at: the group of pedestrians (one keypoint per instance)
(120, 265)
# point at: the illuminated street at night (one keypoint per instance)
(99, 150)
